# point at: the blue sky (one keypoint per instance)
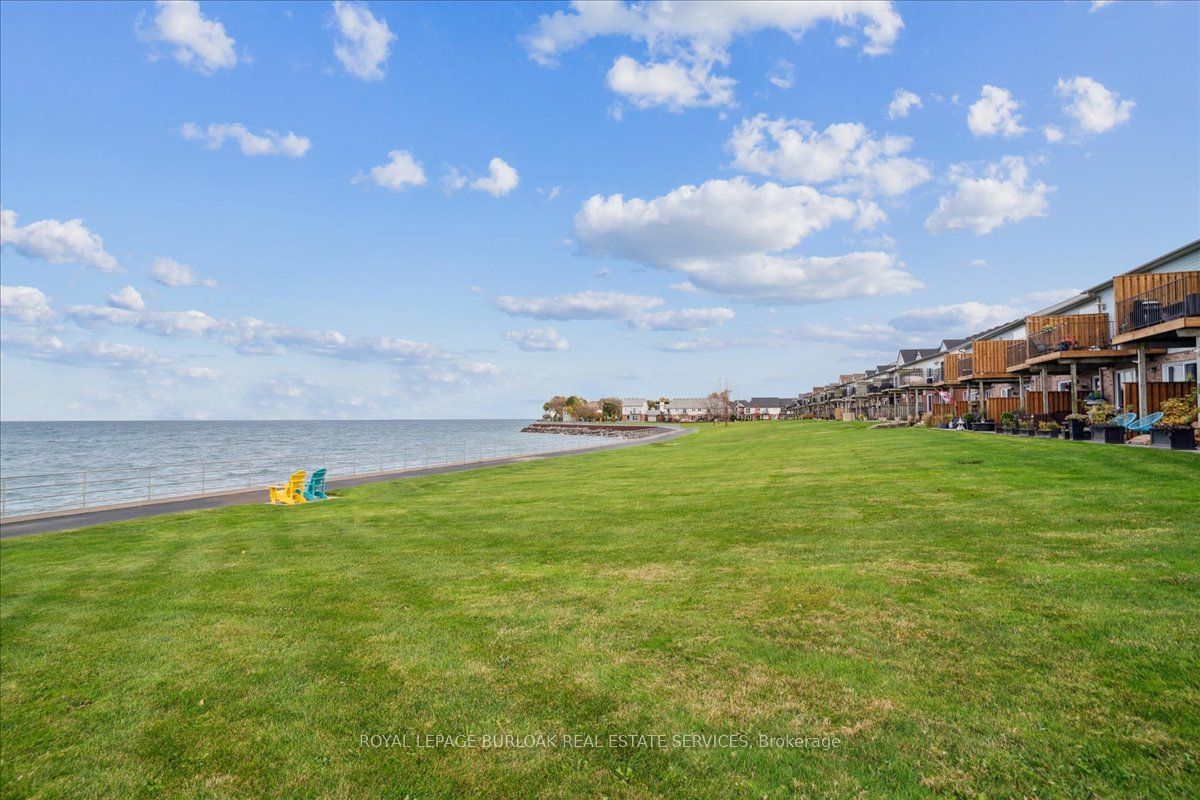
(424, 210)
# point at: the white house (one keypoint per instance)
(633, 409)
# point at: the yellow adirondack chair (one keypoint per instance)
(292, 493)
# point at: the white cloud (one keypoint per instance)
(1004, 194)
(1099, 4)
(685, 286)
(128, 298)
(965, 318)
(705, 29)
(546, 338)
(401, 170)
(1052, 133)
(688, 319)
(704, 344)
(734, 238)
(793, 150)
(101, 355)
(995, 112)
(671, 84)
(501, 179)
(199, 43)
(1094, 107)
(364, 42)
(251, 336)
(170, 272)
(56, 242)
(783, 75)
(581, 305)
(980, 263)
(26, 304)
(267, 143)
(903, 101)
(685, 41)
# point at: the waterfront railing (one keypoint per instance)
(109, 486)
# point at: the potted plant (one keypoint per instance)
(1101, 416)
(1066, 344)
(1175, 430)
(986, 425)
(1027, 427)
(1075, 426)
(1008, 422)
(1049, 430)
(1093, 398)
(969, 420)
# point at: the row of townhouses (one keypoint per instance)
(1132, 341)
(698, 409)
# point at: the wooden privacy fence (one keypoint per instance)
(1156, 393)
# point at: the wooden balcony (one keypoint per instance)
(1081, 339)
(1157, 306)
(1015, 355)
(950, 368)
(987, 361)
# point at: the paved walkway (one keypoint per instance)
(61, 521)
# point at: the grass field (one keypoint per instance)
(969, 614)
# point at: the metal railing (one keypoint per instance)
(1016, 353)
(68, 491)
(966, 366)
(1177, 298)
(1071, 334)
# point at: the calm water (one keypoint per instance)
(53, 465)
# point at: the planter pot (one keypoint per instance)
(1174, 438)
(1029, 432)
(1109, 434)
(987, 427)
(1074, 429)
(1009, 431)
(1043, 434)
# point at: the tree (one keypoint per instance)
(554, 407)
(717, 405)
(610, 408)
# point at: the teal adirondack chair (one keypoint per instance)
(315, 488)
(1124, 419)
(1144, 424)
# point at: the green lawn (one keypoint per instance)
(969, 614)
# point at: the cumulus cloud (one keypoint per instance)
(704, 344)
(401, 170)
(1003, 194)
(56, 242)
(639, 312)
(735, 238)
(98, 354)
(995, 112)
(256, 337)
(685, 41)
(1094, 107)
(197, 42)
(500, 180)
(267, 143)
(1099, 4)
(969, 317)
(671, 84)
(170, 272)
(26, 304)
(1053, 133)
(533, 339)
(903, 101)
(363, 42)
(128, 298)
(844, 153)
(783, 74)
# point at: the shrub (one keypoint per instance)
(1102, 413)
(1179, 412)
(1049, 426)
(1008, 419)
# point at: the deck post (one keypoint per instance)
(1021, 388)
(1074, 393)
(982, 402)
(1045, 392)
(1141, 371)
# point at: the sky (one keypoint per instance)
(238, 210)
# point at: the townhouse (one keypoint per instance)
(1132, 341)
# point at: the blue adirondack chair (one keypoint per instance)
(315, 488)
(1144, 424)
(1124, 419)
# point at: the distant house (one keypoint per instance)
(767, 407)
(684, 409)
(633, 409)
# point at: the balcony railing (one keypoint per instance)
(965, 367)
(1016, 353)
(1177, 298)
(1086, 333)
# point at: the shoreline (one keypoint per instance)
(65, 520)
